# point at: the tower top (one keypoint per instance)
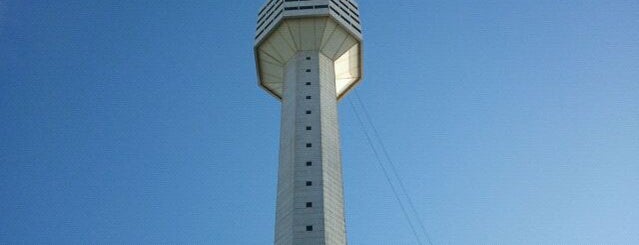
(285, 27)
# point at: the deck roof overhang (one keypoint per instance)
(321, 33)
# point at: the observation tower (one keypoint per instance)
(309, 55)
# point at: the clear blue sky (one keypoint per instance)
(140, 122)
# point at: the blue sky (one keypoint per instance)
(140, 122)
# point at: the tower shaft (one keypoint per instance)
(309, 55)
(310, 204)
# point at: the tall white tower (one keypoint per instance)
(309, 55)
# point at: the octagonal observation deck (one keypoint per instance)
(285, 27)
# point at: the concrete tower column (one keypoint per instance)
(308, 55)
(310, 208)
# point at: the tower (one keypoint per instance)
(309, 55)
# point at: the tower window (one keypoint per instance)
(308, 112)
(309, 183)
(308, 83)
(308, 58)
(308, 97)
(309, 204)
(309, 163)
(308, 128)
(309, 228)
(309, 145)
(308, 70)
